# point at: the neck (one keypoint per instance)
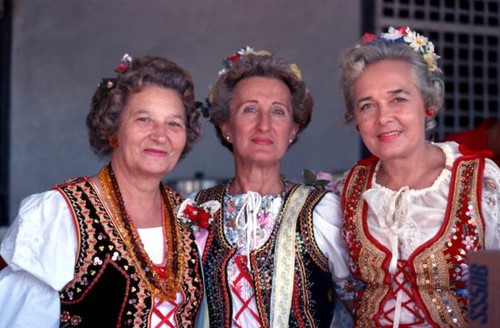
(263, 181)
(418, 172)
(141, 198)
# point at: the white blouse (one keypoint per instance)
(40, 249)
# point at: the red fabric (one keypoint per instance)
(2, 263)
(475, 139)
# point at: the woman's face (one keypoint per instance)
(389, 110)
(152, 132)
(260, 124)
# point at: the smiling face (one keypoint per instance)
(260, 124)
(389, 110)
(151, 134)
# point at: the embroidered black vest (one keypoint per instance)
(106, 290)
(312, 302)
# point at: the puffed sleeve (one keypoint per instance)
(327, 225)
(39, 248)
(491, 205)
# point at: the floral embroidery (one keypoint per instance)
(69, 320)
(468, 242)
(266, 217)
(462, 272)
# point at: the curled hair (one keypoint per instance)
(252, 65)
(107, 105)
(354, 61)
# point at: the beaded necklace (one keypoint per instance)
(163, 281)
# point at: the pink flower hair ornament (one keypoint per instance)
(109, 83)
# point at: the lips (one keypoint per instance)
(262, 141)
(156, 152)
(390, 135)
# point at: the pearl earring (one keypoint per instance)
(227, 138)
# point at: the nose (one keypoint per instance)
(264, 121)
(384, 114)
(159, 132)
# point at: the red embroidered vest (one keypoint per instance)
(435, 268)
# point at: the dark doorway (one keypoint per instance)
(5, 52)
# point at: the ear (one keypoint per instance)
(294, 131)
(224, 129)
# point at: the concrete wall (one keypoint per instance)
(61, 49)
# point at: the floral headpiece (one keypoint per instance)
(109, 83)
(197, 216)
(227, 63)
(417, 42)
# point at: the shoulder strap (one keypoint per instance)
(284, 258)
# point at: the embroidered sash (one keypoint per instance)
(284, 260)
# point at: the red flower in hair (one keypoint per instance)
(122, 68)
(234, 57)
(368, 38)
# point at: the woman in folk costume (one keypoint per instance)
(108, 250)
(271, 255)
(415, 209)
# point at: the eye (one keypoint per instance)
(176, 123)
(249, 109)
(365, 106)
(144, 119)
(278, 111)
(399, 100)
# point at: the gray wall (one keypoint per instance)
(61, 49)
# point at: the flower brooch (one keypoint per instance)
(198, 216)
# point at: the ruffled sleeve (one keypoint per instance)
(39, 248)
(491, 205)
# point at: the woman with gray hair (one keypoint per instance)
(272, 255)
(415, 209)
(109, 250)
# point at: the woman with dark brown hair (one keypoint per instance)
(273, 254)
(109, 250)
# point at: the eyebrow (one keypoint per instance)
(398, 91)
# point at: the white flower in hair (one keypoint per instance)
(392, 34)
(416, 41)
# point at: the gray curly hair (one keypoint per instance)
(354, 61)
